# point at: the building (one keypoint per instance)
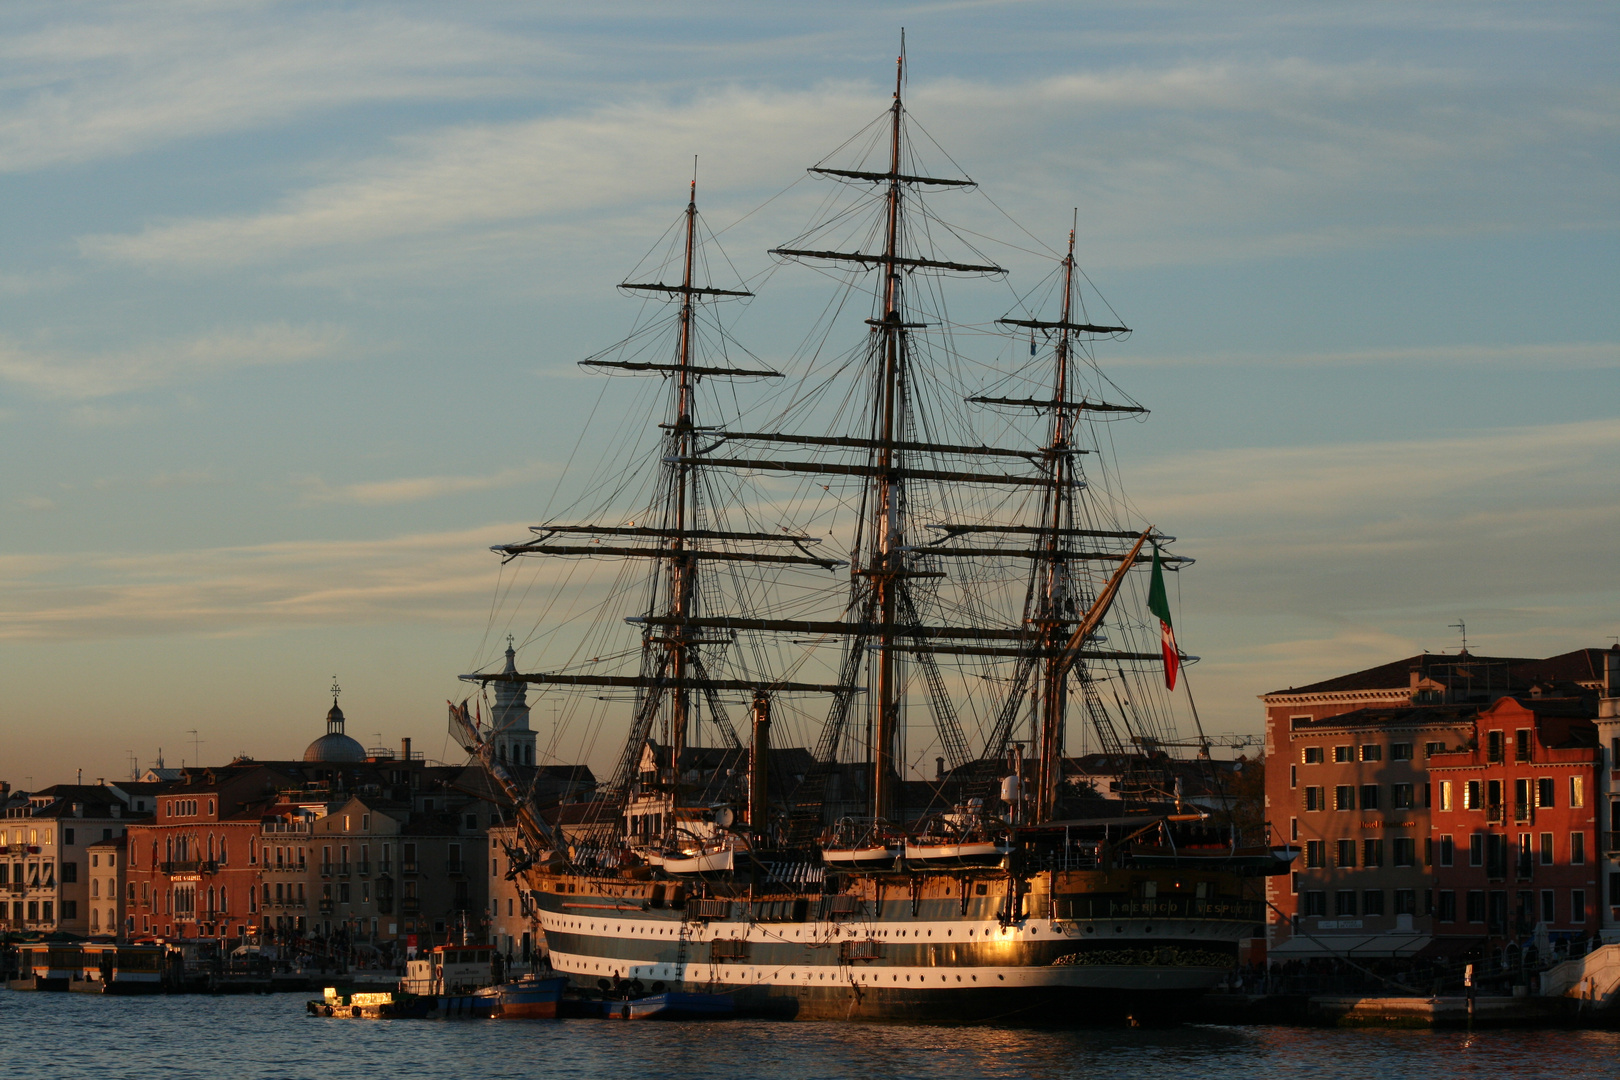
(44, 862)
(106, 886)
(1514, 839)
(510, 734)
(1348, 781)
(194, 870)
(514, 928)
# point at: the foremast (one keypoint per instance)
(672, 667)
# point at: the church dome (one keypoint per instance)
(335, 746)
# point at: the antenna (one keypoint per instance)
(196, 747)
(134, 765)
(1462, 628)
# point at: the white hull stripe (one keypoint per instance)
(878, 975)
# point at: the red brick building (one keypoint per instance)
(194, 870)
(1514, 824)
(1350, 782)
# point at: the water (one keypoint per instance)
(69, 1036)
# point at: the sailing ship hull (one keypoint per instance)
(933, 960)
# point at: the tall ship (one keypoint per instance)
(859, 618)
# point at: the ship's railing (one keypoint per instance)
(708, 908)
(841, 906)
(1086, 908)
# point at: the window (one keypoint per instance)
(1405, 902)
(1344, 903)
(1372, 902)
(70, 909)
(1401, 751)
(1546, 849)
(1428, 851)
(1476, 905)
(1404, 850)
(1493, 746)
(1369, 796)
(1521, 745)
(1526, 859)
(1432, 748)
(1476, 850)
(1546, 789)
(1372, 752)
(1314, 854)
(343, 892)
(1293, 883)
(1314, 799)
(1445, 794)
(1315, 902)
(1446, 909)
(70, 872)
(1577, 906)
(1346, 853)
(472, 821)
(1471, 795)
(1496, 855)
(1311, 755)
(1549, 907)
(365, 822)
(1372, 853)
(1577, 791)
(67, 838)
(1344, 797)
(1577, 852)
(1342, 754)
(1400, 796)
(1493, 800)
(1293, 776)
(1521, 800)
(1293, 828)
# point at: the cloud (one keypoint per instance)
(114, 81)
(82, 377)
(1578, 355)
(417, 488)
(1188, 161)
(429, 577)
(36, 502)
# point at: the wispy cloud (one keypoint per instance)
(419, 578)
(88, 376)
(417, 488)
(120, 80)
(1580, 355)
(1180, 162)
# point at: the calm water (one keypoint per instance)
(63, 1036)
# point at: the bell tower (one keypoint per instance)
(509, 718)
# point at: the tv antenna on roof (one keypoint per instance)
(1462, 628)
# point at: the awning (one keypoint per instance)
(1352, 946)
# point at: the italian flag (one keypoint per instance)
(1160, 606)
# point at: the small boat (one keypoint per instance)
(532, 997)
(949, 851)
(861, 857)
(716, 860)
(380, 1005)
(660, 1005)
(672, 1005)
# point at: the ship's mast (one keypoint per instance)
(1054, 584)
(888, 527)
(681, 575)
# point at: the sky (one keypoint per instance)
(291, 296)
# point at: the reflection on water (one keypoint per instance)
(71, 1036)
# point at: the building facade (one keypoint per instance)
(1514, 825)
(1350, 783)
(45, 880)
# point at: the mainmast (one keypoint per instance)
(1054, 586)
(681, 576)
(888, 526)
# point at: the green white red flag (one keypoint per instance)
(1159, 604)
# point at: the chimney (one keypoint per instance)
(405, 749)
(1609, 707)
(939, 768)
